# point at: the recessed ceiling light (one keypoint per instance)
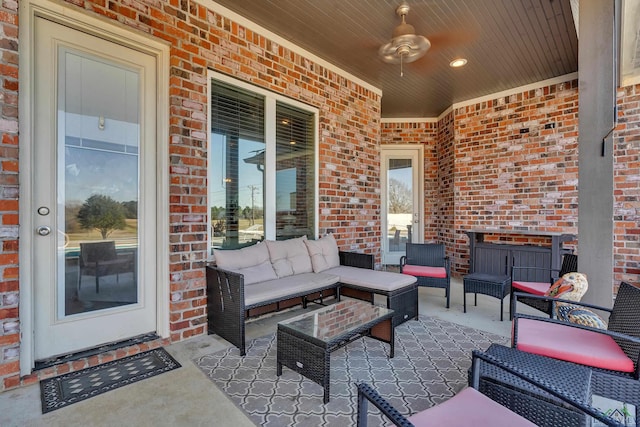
(457, 62)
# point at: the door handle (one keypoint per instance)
(43, 230)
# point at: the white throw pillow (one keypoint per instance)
(289, 257)
(257, 273)
(324, 253)
(233, 259)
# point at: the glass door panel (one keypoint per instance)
(98, 185)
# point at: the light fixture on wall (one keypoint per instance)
(405, 46)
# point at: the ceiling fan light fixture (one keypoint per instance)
(405, 46)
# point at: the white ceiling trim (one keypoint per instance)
(241, 20)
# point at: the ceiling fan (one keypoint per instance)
(405, 45)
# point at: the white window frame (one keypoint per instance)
(270, 100)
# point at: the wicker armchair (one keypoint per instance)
(429, 264)
(537, 281)
(462, 409)
(612, 354)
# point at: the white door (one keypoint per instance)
(94, 181)
(402, 201)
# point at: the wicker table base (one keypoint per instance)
(305, 342)
(487, 284)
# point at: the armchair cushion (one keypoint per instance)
(572, 344)
(535, 288)
(424, 271)
(469, 408)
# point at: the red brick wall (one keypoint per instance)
(201, 39)
(626, 220)
(446, 191)
(424, 133)
(9, 200)
(509, 163)
(511, 171)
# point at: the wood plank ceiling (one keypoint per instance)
(508, 43)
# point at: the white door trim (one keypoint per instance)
(103, 28)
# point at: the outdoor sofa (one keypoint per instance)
(273, 275)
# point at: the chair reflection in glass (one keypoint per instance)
(100, 259)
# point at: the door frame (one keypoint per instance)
(419, 187)
(102, 28)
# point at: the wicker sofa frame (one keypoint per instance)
(227, 311)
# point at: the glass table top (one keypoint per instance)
(333, 321)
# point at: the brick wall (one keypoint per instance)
(516, 165)
(507, 163)
(424, 133)
(446, 198)
(201, 39)
(626, 220)
(9, 201)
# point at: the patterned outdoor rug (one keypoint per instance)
(66, 389)
(430, 365)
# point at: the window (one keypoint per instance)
(262, 166)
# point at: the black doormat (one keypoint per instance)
(73, 387)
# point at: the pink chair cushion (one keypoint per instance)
(535, 288)
(572, 344)
(469, 408)
(424, 271)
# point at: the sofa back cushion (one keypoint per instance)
(324, 253)
(253, 262)
(289, 257)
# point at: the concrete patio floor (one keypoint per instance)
(186, 397)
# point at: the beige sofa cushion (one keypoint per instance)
(371, 279)
(324, 253)
(281, 289)
(252, 262)
(289, 257)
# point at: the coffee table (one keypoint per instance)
(305, 342)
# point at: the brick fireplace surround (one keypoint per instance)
(510, 162)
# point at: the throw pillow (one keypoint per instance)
(232, 259)
(324, 253)
(580, 315)
(289, 257)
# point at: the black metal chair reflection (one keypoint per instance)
(100, 259)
